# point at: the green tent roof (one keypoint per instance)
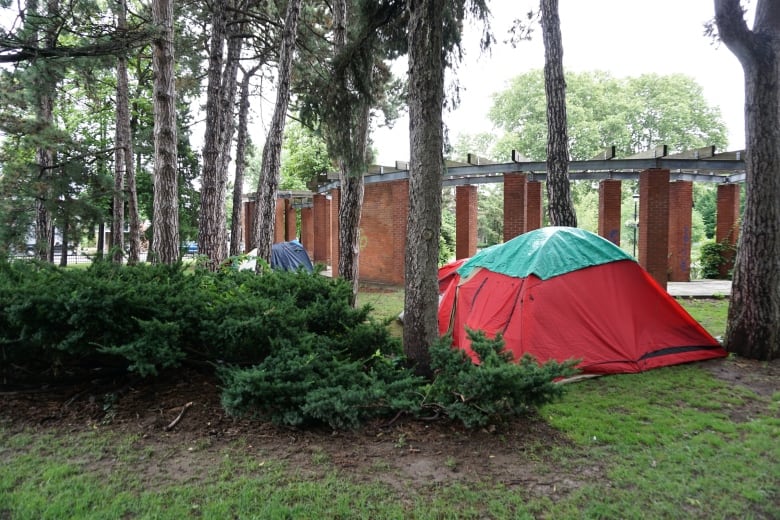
(546, 252)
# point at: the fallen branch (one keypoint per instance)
(178, 417)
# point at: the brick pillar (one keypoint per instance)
(279, 225)
(307, 230)
(290, 221)
(680, 208)
(727, 221)
(249, 225)
(514, 205)
(534, 205)
(610, 223)
(465, 221)
(335, 202)
(654, 223)
(322, 229)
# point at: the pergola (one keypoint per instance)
(665, 204)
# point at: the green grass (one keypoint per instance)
(711, 313)
(669, 443)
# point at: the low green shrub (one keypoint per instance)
(495, 388)
(713, 256)
(144, 318)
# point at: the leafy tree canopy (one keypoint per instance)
(633, 114)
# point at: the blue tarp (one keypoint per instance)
(289, 256)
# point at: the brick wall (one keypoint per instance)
(680, 207)
(335, 198)
(249, 225)
(290, 221)
(322, 229)
(307, 230)
(534, 205)
(279, 225)
(514, 205)
(727, 223)
(466, 200)
(654, 223)
(610, 221)
(383, 232)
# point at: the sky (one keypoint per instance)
(624, 37)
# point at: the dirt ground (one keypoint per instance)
(178, 420)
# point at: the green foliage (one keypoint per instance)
(323, 380)
(304, 157)
(713, 256)
(494, 387)
(146, 318)
(633, 114)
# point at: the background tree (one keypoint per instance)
(269, 177)
(632, 114)
(753, 327)
(559, 203)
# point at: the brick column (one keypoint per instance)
(465, 221)
(279, 229)
(654, 223)
(680, 208)
(610, 223)
(534, 205)
(322, 229)
(249, 225)
(514, 205)
(727, 221)
(335, 198)
(290, 220)
(383, 232)
(307, 230)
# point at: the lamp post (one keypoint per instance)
(635, 196)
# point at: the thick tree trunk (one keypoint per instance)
(237, 219)
(353, 123)
(124, 180)
(165, 242)
(753, 329)
(269, 173)
(212, 192)
(426, 166)
(45, 89)
(560, 205)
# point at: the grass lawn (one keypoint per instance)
(677, 442)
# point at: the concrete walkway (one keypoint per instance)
(700, 289)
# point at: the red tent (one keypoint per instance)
(561, 293)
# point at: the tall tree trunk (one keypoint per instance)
(353, 122)
(212, 189)
(236, 220)
(560, 205)
(227, 120)
(753, 328)
(124, 180)
(269, 173)
(45, 88)
(165, 242)
(121, 139)
(426, 166)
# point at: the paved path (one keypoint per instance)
(700, 288)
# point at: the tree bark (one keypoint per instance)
(426, 166)
(353, 121)
(211, 186)
(560, 206)
(237, 219)
(269, 173)
(753, 329)
(165, 242)
(45, 90)
(124, 181)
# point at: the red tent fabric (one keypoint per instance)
(613, 317)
